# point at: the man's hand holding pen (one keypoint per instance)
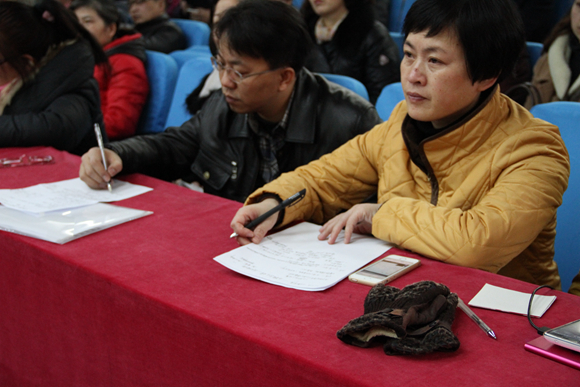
(92, 171)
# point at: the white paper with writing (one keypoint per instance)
(295, 258)
(65, 194)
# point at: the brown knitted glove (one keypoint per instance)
(414, 320)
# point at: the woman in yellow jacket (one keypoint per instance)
(463, 174)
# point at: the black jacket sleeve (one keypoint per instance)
(167, 155)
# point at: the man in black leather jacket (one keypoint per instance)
(271, 116)
(159, 32)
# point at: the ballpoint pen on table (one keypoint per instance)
(474, 317)
(286, 203)
(102, 148)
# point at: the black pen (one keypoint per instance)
(286, 203)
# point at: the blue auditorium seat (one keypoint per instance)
(348, 82)
(196, 32)
(190, 75)
(390, 96)
(397, 13)
(535, 51)
(182, 56)
(162, 74)
(566, 115)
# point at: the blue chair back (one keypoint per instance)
(202, 49)
(297, 3)
(348, 82)
(182, 56)
(397, 13)
(196, 32)
(535, 51)
(566, 116)
(399, 38)
(190, 76)
(561, 8)
(390, 96)
(162, 74)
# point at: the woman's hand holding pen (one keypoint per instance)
(248, 213)
(92, 171)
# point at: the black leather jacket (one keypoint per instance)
(220, 150)
(161, 34)
(362, 51)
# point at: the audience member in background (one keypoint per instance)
(272, 116)
(211, 82)
(536, 15)
(557, 72)
(159, 32)
(352, 42)
(48, 95)
(123, 82)
(382, 11)
(199, 10)
(123, 8)
(463, 174)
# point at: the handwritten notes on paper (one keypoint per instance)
(65, 194)
(295, 258)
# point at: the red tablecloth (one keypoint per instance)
(144, 304)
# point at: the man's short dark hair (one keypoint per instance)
(269, 30)
(491, 32)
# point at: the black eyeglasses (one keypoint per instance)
(234, 75)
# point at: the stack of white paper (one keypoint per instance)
(65, 226)
(511, 301)
(66, 210)
(295, 258)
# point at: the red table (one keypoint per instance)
(144, 304)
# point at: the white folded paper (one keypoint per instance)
(511, 301)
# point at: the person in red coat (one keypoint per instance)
(123, 81)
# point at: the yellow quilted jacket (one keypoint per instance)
(488, 200)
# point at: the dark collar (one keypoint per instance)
(153, 22)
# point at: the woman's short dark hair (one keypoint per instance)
(26, 30)
(491, 32)
(106, 9)
(270, 30)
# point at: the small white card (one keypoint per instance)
(511, 301)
